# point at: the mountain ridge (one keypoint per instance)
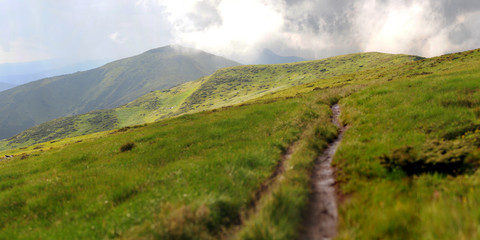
(225, 87)
(22, 73)
(109, 86)
(267, 56)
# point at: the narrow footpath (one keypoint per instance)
(321, 217)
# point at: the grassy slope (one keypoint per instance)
(225, 87)
(237, 84)
(398, 106)
(181, 177)
(186, 177)
(435, 112)
(108, 86)
(375, 204)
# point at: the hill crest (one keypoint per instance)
(108, 86)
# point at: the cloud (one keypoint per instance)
(115, 37)
(320, 28)
(396, 26)
(88, 29)
(226, 27)
(415, 27)
(83, 30)
(204, 15)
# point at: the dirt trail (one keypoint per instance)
(264, 189)
(321, 218)
(279, 169)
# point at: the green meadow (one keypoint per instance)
(405, 169)
(183, 178)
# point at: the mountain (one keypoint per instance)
(108, 86)
(226, 87)
(21, 73)
(5, 86)
(406, 166)
(267, 56)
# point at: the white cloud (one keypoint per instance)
(412, 27)
(82, 30)
(307, 28)
(395, 26)
(116, 37)
(241, 28)
(237, 29)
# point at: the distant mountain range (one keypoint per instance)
(5, 86)
(21, 73)
(109, 86)
(267, 56)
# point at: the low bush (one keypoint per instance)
(444, 157)
(127, 147)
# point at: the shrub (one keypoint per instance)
(127, 147)
(444, 157)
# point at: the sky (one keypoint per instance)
(73, 30)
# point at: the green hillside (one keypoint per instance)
(226, 87)
(109, 86)
(406, 167)
(188, 177)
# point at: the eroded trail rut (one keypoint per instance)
(321, 217)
